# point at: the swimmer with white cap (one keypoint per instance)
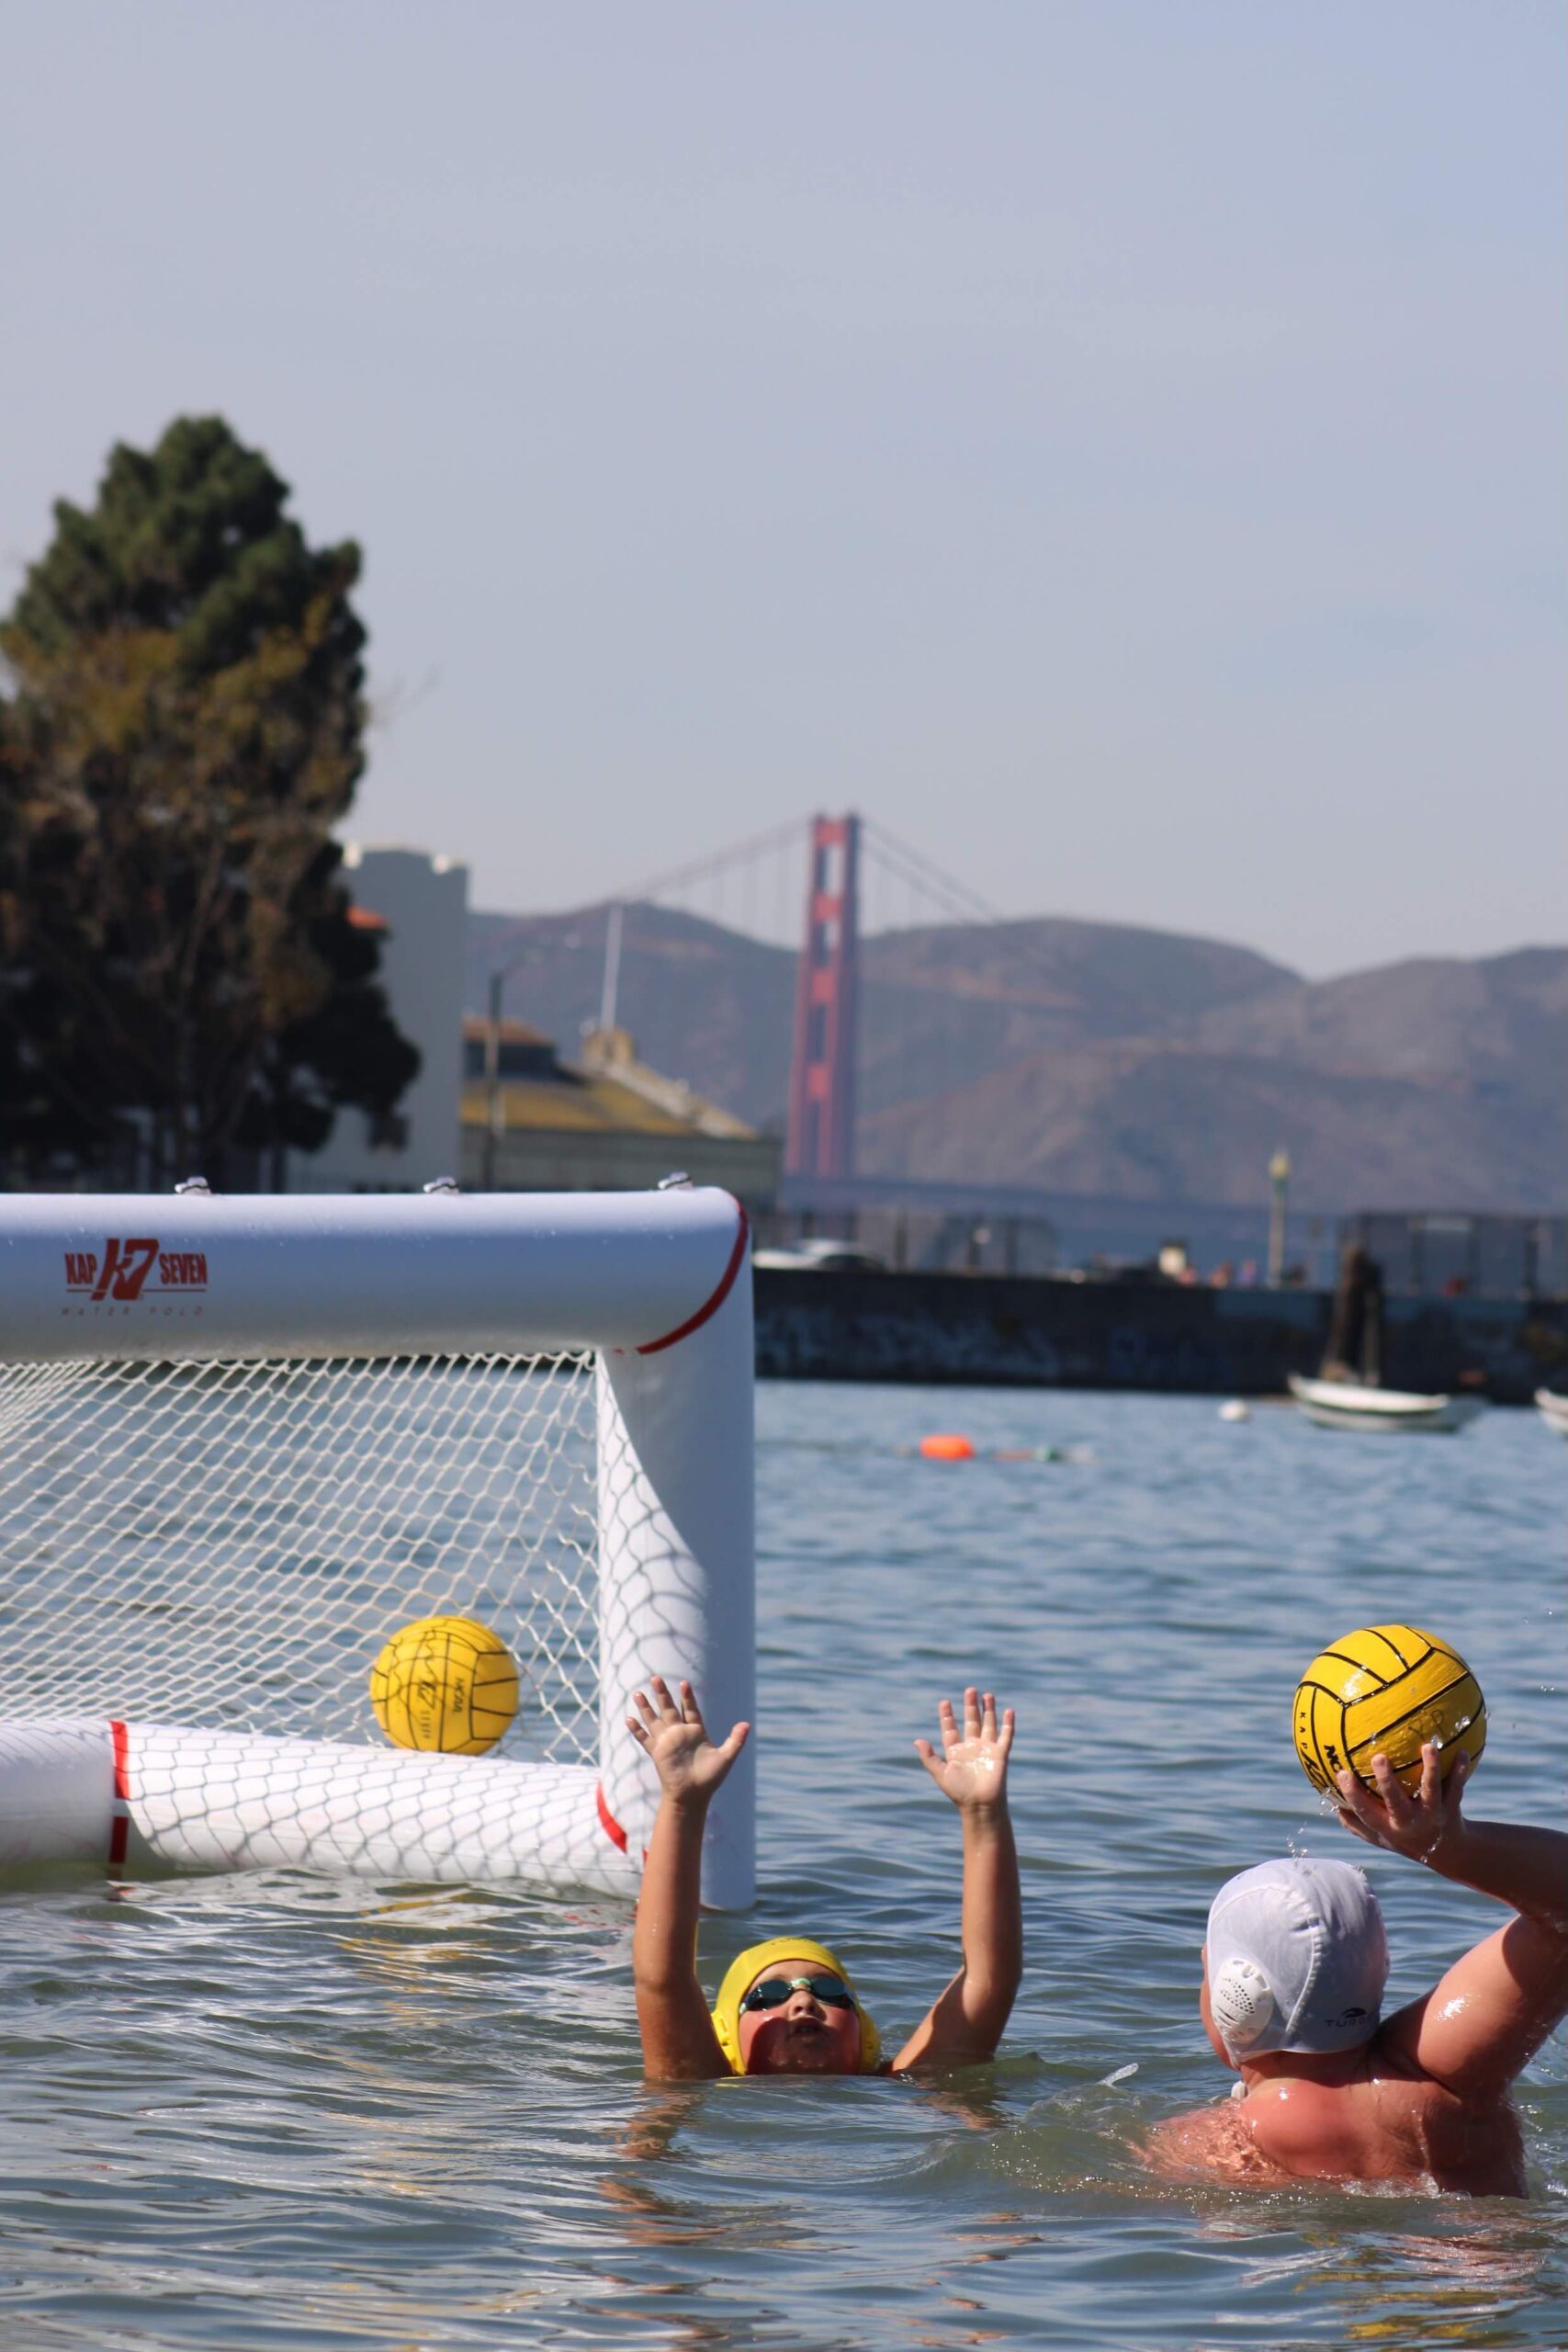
(789, 2005)
(1294, 1965)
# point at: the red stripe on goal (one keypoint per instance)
(119, 1826)
(607, 1822)
(710, 1307)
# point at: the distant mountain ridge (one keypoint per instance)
(1103, 1058)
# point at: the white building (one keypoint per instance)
(423, 901)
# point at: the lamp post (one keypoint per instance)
(609, 993)
(495, 1105)
(1279, 1178)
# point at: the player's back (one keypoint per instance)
(1387, 2123)
(1390, 2122)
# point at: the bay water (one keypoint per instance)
(277, 2110)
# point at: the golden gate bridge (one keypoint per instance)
(824, 979)
(846, 860)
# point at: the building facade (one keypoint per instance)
(418, 902)
(533, 1123)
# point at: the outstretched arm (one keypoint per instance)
(1491, 2012)
(678, 2039)
(967, 2022)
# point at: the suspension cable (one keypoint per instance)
(701, 867)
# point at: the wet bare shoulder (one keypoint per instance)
(1213, 2142)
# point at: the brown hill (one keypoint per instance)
(1502, 1020)
(1170, 1122)
(1100, 1058)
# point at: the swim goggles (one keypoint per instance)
(775, 1991)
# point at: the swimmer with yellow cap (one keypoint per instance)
(789, 2005)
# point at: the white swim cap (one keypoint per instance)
(1297, 1958)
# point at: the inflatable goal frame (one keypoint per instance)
(655, 1284)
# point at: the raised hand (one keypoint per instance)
(1414, 1822)
(689, 1765)
(971, 1766)
(678, 2041)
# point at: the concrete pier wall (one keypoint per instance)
(996, 1330)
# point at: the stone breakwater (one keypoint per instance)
(1007, 1332)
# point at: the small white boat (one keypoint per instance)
(1354, 1405)
(1554, 1409)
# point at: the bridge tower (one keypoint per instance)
(820, 1135)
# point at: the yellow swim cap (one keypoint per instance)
(751, 1963)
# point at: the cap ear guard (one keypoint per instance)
(1241, 2002)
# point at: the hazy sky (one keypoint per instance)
(1116, 443)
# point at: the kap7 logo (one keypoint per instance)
(121, 1274)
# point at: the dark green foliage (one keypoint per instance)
(181, 982)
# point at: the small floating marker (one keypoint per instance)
(946, 1446)
(1236, 1410)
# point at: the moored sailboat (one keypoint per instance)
(1348, 1393)
(1357, 1404)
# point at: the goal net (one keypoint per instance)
(243, 1442)
(229, 1543)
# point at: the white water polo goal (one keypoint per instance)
(242, 1441)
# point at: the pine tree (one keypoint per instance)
(182, 986)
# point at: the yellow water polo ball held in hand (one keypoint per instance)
(447, 1685)
(1384, 1690)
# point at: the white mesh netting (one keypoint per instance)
(231, 1544)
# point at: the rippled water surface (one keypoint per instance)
(279, 2111)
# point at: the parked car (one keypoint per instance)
(821, 1256)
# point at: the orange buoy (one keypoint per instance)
(947, 1447)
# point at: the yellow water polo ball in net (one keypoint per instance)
(447, 1685)
(1385, 1688)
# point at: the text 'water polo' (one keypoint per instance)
(1385, 1690)
(445, 1685)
